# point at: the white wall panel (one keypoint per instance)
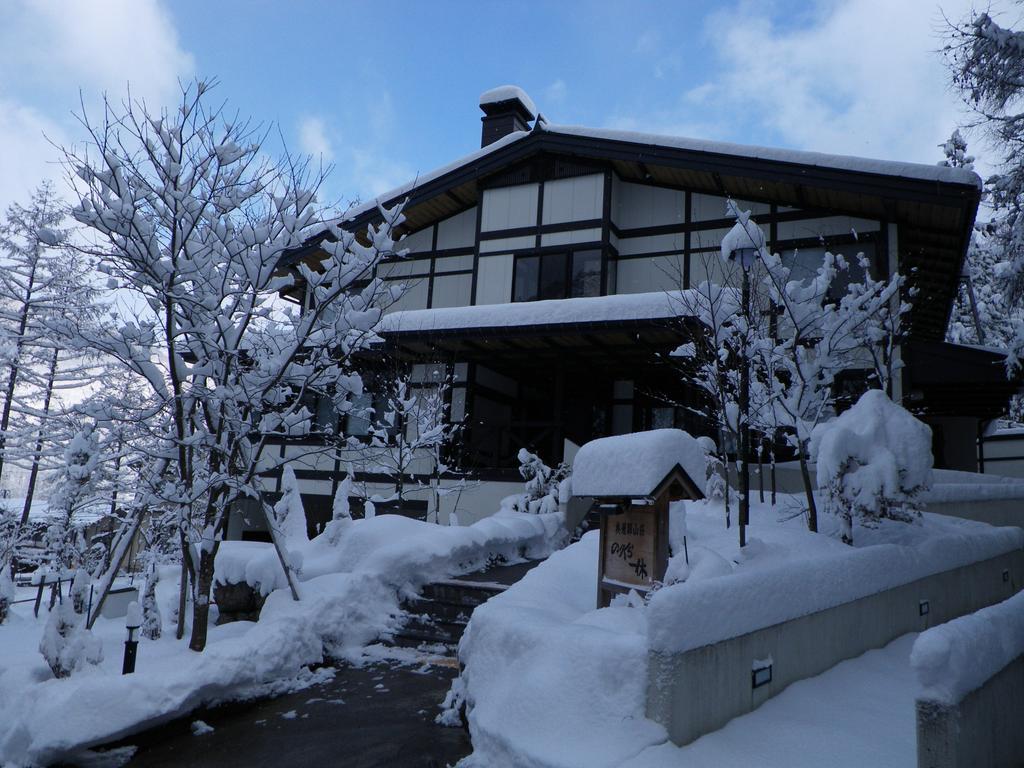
(831, 225)
(508, 244)
(575, 199)
(571, 237)
(415, 296)
(706, 207)
(641, 205)
(659, 273)
(653, 244)
(403, 268)
(452, 291)
(457, 232)
(494, 280)
(509, 207)
(453, 263)
(421, 240)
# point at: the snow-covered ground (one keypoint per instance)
(552, 681)
(350, 596)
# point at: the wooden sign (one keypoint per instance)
(634, 549)
(629, 547)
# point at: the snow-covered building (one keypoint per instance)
(541, 266)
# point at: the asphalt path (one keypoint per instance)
(376, 715)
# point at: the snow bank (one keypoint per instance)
(39, 723)
(351, 592)
(957, 657)
(689, 615)
(633, 465)
(401, 552)
(549, 680)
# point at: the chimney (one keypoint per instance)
(507, 109)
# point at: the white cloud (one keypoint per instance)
(59, 49)
(556, 92)
(859, 77)
(313, 138)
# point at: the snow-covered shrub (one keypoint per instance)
(290, 520)
(341, 512)
(6, 592)
(714, 474)
(873, 460)
(542, 484)
(152, 623)
(67, 645)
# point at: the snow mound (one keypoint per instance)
(957, 657)
(876, 450)
(507, 93)
(633, 465)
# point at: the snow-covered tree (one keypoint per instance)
(414, 430)
(795, 335)
(872, 461)
(152, 622)
(289, 521)
(41, 280)
(190, 220)
(73, 492)
(986, 63)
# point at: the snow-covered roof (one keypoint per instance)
(633, 466)
(358, 210)
(658, 305)
(919, 171)
(507, 93)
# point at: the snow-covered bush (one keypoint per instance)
(290, 520)
(873, 460)
(542, 483)
(6, 592)
(67, 644)
(152, 623)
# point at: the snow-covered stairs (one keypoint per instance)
(439, 615)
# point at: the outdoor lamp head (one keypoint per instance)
(745, 257)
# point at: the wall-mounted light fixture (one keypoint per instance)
(760, 672)
(1006, 575)
(923, 608)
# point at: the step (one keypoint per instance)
(429, 634)
(465, 593)
(442, 611)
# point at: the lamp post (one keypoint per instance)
(132, 622)
(745, 257)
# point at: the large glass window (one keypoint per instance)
(552, 276)
(558, 275)
(586, 274)
(527, 275)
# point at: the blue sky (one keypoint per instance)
(388, 90)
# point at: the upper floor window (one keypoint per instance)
(557, 275)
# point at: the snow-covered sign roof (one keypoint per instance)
(505, 93)
(659, 305)
(635, 466)
(919, 171)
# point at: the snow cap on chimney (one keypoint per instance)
(507, 108)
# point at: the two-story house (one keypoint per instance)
(541, 268)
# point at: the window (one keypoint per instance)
(557, 275)
(586, 274)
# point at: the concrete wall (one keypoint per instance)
(983, 729)
(699, 691)
(991, 511)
